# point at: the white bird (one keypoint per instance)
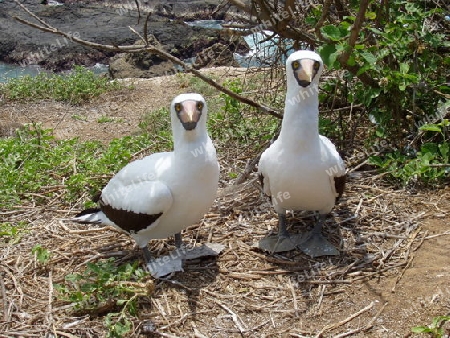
(302, 170)
(163, 193)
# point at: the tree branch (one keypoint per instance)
(241, 5)
(354, 34)
(325, 12)
(149, 49)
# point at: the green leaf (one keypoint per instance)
(329, 54)
(376, 160)
(431, 148)
(371, 15)
(351, 60)
(404, 67)
(444, 148)
(376, 31)
(439, 320)
(333, 33)
(369, 57)
(42, 254)
(431, 127)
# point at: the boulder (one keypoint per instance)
(140, 65)
(219, 54)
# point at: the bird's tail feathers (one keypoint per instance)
(91, 216)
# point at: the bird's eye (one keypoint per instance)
(316, 65)
(295, 65)
(199, 105)
(178, 107)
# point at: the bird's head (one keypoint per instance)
(305, 67)
(189, 109)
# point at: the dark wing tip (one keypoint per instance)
(339, 184)
(87, 211)
(96, 197)
(127, 220)
(261, 180)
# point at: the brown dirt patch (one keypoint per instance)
(393, 273)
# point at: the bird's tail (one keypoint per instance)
(92, 216)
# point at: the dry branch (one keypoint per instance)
(4, 300)
(354, 33)
(346, 320)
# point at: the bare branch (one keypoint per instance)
(268, 16)
(146, 28)
(137, 33)
(138, 9)
(354, 34)
(154, 50)
(325, 12)
(354, 31)
(32, 14)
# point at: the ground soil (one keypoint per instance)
(393, 273)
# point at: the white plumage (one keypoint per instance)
(163, 193)
(302, 170)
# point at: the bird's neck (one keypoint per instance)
(196, 144)
(300, 126)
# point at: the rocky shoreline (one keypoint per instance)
(107, 23)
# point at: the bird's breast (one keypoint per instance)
(300, 184)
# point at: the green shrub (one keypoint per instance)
(33, 161)
(77, 87)
(107, 288)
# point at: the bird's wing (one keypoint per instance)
(135, 207)
(336, 167)
(263, 177)
(135, 197)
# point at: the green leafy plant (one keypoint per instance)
(110, 290)
(77, 87)
(41, 253)
(11, 233)
(435, 329)
(233, 122)
(105, 119)
(409, 73)
(157, 124)
(34, 162)
(391, 64)
(430, 165)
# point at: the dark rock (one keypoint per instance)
(141, 65)
(219, 54)
(104, 25)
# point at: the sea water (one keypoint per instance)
(8, 71)
(11, 71)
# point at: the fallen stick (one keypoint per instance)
(346, 320)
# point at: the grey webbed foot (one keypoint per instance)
(178, 240)
(315, 244)
(281, 242)
(147, 255)
(277, 244)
